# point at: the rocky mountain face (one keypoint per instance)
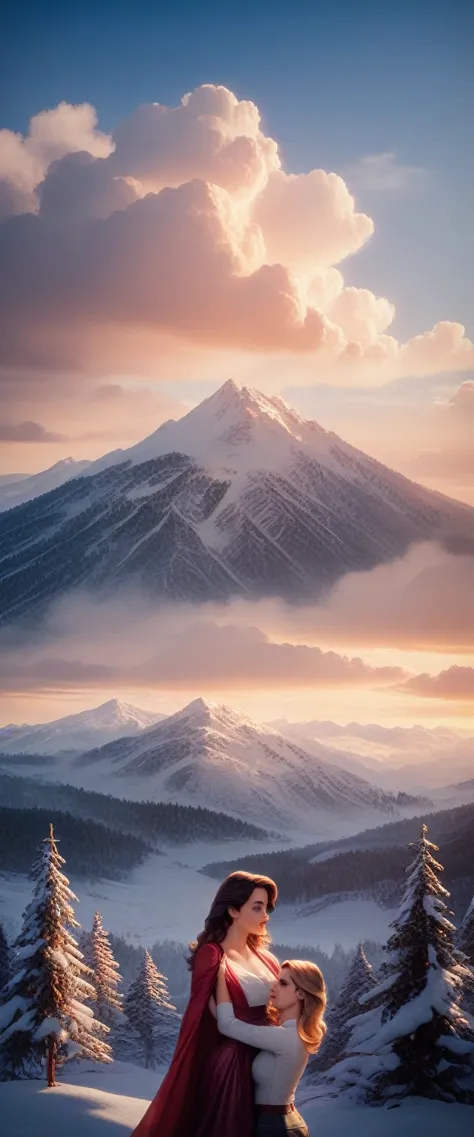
(241, 497)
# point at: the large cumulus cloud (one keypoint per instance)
(25, 160)
(183, 227)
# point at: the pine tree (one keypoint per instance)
(465, 945)
(465, 936)
(5, 959)
(99, 957)
(359, 981)
(45, 1019)
(414, 1037)
(150, 1027)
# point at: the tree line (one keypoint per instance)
(407, 1029)
(60, 999)
(150, 821)
(355, 870)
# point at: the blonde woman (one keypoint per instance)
(297, 1003)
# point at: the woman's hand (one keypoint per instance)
(222, 994)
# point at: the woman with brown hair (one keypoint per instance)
(298, 1000)
(208, 1090)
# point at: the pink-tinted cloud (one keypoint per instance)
(309, 220)
(446, 445)
(127, 643)
(25, 160)
(182, 225)
(423, 601)
(79, 188)
(28, 432)
(168, 261)
(453, 683)
(92, 417)
(362, 316)
(211, 135)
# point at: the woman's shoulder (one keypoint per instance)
(208, 955)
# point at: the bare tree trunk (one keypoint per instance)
(51, 1063)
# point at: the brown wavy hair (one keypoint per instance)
(308, 979)
(234, 892)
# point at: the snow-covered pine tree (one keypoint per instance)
(359, 981)
(151, 1024)
(414, 1037)
(465, 945)
(106, 978)
(5, 959)
(45, 1015)
(465, 936)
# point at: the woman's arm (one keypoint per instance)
(278, 1039)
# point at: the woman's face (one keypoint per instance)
(253, 916)
(283, 993)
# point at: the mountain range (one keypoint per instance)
(240, 497)
(416, 757)
(209, 755)
(204, 755)
(416, 760)
(79, 732)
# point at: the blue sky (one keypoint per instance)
(333, 84)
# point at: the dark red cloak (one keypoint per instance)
(208, 1090)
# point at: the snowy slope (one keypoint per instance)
(240, 497)
(110, 1101)
(142, 908)
(79, 732)
(29, 486)
(210, 755)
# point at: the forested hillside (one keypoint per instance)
(173, 824)
(301, 879)
(90, 848)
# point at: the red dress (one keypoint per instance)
(208, 1090)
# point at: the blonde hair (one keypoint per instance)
(308, 979)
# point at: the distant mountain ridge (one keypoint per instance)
(26, 487)
(240, 497)
(418, 757)
(78, 732)
(210, 755)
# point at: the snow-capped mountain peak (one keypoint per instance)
(239, 405)
(236, 429)
(241, 496)
(76, 733)
(208, 754)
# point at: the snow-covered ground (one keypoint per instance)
(109, 1102)
(167, 899)
(347, 923)
(160, 901)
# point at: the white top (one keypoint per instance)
(282, 1059)
(256, 988)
